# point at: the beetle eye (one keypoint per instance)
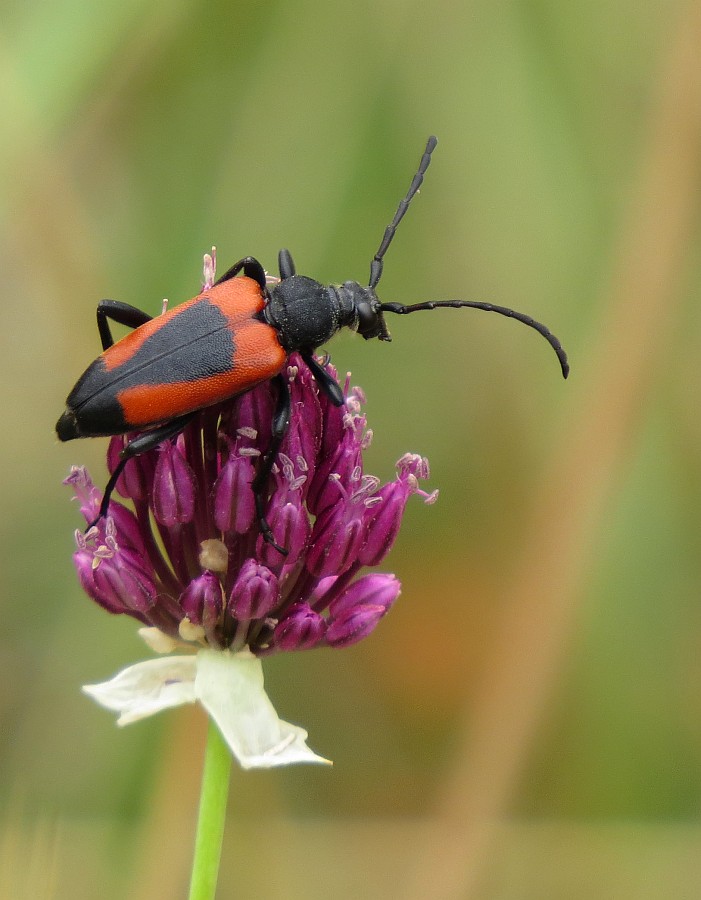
(368, 320)
(371, 322)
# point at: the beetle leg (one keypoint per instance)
(250, 267)
(326, 382)
(287, 266)
(135, 447)
(122, 314)
(281, 420)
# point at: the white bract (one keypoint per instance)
(228, 685)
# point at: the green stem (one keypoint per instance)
(212, 816)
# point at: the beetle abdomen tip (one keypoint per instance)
(67, 426)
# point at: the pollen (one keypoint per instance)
(214, 555)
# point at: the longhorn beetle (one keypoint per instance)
(223, 342)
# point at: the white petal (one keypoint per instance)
(230, 687)
(147, 687)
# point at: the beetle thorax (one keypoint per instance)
(306, 313)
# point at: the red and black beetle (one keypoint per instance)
(226, 340)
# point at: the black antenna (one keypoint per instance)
(376, 264)
(402, 310)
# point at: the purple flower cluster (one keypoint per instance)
(190, 559)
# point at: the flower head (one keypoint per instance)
(190, 560)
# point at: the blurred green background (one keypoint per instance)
(527, 721)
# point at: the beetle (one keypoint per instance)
(225, 341)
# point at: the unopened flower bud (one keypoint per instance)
(202, 599)
(300, 629)
(354, 624)
(374, 590)
(132, 483)
(234, 506)
(173, 487)
(255, 592)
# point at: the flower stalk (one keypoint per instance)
(212, 816)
